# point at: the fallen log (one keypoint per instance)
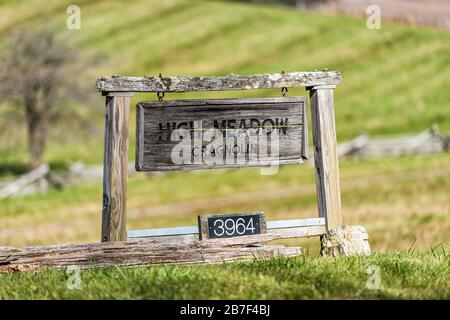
(422, 143)
(352, 146)
(428, 141)
(26, 179)
(141, 252)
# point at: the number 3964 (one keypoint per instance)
(233, 226)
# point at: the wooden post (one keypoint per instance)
(325, 155)
(115, 166)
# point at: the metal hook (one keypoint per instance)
(284, 91)
(161, 93)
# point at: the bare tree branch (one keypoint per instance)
(33, 71)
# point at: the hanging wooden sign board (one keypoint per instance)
(220, 133)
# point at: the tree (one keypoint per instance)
(33, 73)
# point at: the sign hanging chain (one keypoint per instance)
(284, 90)
(160, 94)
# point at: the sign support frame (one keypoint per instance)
(326, 161)
(115, 166)
(118, 91)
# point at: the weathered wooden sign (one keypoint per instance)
(206, 134)
(231, 225)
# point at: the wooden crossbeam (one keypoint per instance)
(209, 83)
(279, 229)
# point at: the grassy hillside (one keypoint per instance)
(395, 79)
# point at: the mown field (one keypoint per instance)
(395, 80)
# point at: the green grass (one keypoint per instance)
(395, 80)
(402, 276)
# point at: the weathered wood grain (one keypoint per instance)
(115, 168)
(156, 121)
(325, 156)
(140, 252)
(209, 83)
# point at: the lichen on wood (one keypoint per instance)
(210, 83)
(141, 252)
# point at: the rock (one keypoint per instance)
(346, 241)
